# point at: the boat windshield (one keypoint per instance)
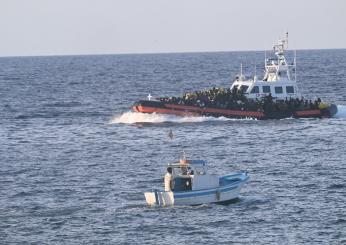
(183, 170)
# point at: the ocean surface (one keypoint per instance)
(75, 161)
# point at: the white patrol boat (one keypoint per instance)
(280, 78)
(188, 183)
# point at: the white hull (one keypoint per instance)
(221, 194)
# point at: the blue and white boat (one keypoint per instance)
(188, 183)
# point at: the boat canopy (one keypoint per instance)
(188, 162)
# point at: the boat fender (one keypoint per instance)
(322, 106)
(218, 195)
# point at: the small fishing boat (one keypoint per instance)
(188, 183)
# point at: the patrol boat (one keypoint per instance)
(188, 183)
(276, 96)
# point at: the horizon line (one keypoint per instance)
(163, 52)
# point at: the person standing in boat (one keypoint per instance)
(168, 179)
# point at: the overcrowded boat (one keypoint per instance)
(275, 96)
(188, 183)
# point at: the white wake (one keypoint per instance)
(137, 117)
(341, 111)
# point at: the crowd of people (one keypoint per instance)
(236, 100)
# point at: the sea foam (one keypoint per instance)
(341, 112)
(136, 117)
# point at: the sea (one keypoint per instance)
(75, 160)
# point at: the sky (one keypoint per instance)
(69, 27)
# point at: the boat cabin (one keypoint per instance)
(190, 175)
(277, 79)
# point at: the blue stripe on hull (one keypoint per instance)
(197, 193)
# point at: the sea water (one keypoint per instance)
(75, 161)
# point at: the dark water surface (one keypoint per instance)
(74, 165)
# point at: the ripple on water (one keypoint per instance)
(75, 161)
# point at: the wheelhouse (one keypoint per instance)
(191, 175)
(277, 79)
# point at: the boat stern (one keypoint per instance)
(161, 198)
(328, 110)
(332, 109)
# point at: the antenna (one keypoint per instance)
(295, 65)
(242, 78)
(265, 57)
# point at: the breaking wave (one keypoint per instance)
(137, 117)
(341, 112)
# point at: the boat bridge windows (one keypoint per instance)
(278, 90)
(266, 89)
(182, 170)
(290, 89)
(255, 90)
(244, 88)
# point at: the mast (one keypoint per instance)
(241, 78)
(295, 65)
(278, 66)
(265, 58)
